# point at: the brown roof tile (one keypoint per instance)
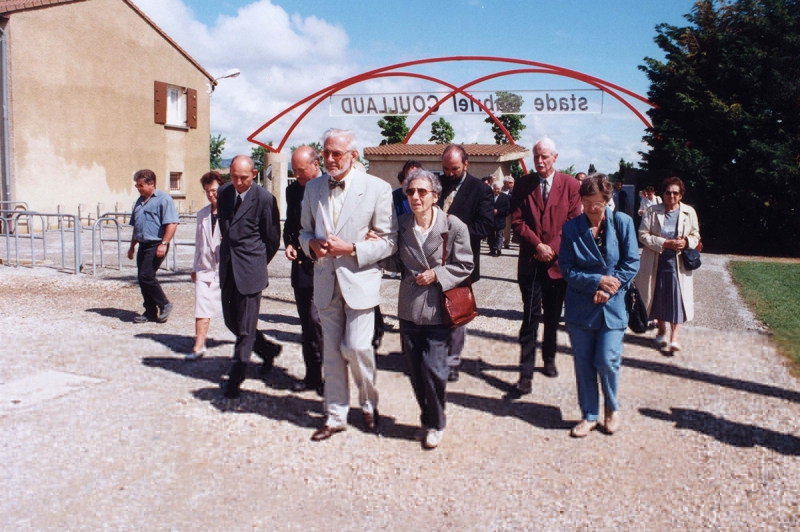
(8, 7)
(473, 150)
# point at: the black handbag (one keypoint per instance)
(637, 312)
(691, 259)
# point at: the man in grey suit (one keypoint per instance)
(249, 222)
(337, 214)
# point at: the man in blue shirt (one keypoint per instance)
(154, 222)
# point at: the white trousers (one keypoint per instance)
(347, 341)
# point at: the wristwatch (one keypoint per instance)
(353, 253)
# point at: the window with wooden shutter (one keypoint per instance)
(191, 108)
(160, 102)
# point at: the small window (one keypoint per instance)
(175, 182)
(176, 107)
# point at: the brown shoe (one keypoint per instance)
(582, 429)
(612, 421)
(371, 420)
(325, 432)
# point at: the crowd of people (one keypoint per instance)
(344, 228)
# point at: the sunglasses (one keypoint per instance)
(421, 191)
(335, 155)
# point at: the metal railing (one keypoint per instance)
(176, 242)
(11, 219)
(97, 229)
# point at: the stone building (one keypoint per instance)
(95, 90)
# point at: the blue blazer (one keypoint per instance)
(582, 266)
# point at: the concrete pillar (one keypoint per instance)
(280, 178)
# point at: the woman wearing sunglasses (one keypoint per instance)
(423, 234)
(665, 285)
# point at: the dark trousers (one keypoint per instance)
(312, 334)
(496, 240)
(542, 300)
(425, 350)
(240, 312)
(148, 264)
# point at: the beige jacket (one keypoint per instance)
(650, 236)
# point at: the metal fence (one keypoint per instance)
(65, 223)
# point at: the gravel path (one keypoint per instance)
(104, 426)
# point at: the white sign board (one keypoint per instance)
(580, 101)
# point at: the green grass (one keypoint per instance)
(772, 291)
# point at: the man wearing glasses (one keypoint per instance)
(337, 214)
(540, 205)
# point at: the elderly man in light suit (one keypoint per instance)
(337, 215)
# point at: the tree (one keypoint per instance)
(394, 128)
(507, 103)
(257, 154)
(727, 121)
(216, 145)
(619, 175)
(591, 170)
(442, 132)
(570, 170)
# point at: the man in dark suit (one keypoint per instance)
(620, 198)
(467, 198)
(249, 222)
(502, 206)
(540, 205)
(305, 166)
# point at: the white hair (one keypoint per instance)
(547, 144)
(352, 144)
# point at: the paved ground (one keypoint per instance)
(104, 426)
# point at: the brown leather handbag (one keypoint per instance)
(458, 304)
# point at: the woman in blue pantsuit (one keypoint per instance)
(599, 258)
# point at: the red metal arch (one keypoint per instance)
(543, 68)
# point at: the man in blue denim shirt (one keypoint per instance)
(154, 222)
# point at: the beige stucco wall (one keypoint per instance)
(387, 167)
(81, 80)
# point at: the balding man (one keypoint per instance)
(337, 215)
(541, 203)
(471, 201)
(249, 222)
(305, 166)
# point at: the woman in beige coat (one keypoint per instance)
(665, 285)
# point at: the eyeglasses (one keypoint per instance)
(671, 193)
(335, 155)
(421, 191)
(595, 204)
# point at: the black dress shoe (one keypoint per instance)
(325, 432)
(230, 389)
(550, 370)
(452, 376)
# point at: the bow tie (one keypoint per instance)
(333, 183)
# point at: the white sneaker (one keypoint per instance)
(433, 438)
(674, 346)
(661, 340)
(193, 356)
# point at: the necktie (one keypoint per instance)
(545, 192)
(333, 183)
(238, 203)
(449, 201)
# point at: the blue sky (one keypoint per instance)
(291, 48)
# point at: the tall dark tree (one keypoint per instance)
(727, 121)
(592, 169)
(393, 128)
(442, 132)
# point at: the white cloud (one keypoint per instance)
(284, 57)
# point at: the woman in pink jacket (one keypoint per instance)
(205, 272)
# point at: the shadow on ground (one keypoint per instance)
(728, 432)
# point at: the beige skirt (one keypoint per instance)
(207, 300)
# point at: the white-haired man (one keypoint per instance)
(540, 205)
(337, 214)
